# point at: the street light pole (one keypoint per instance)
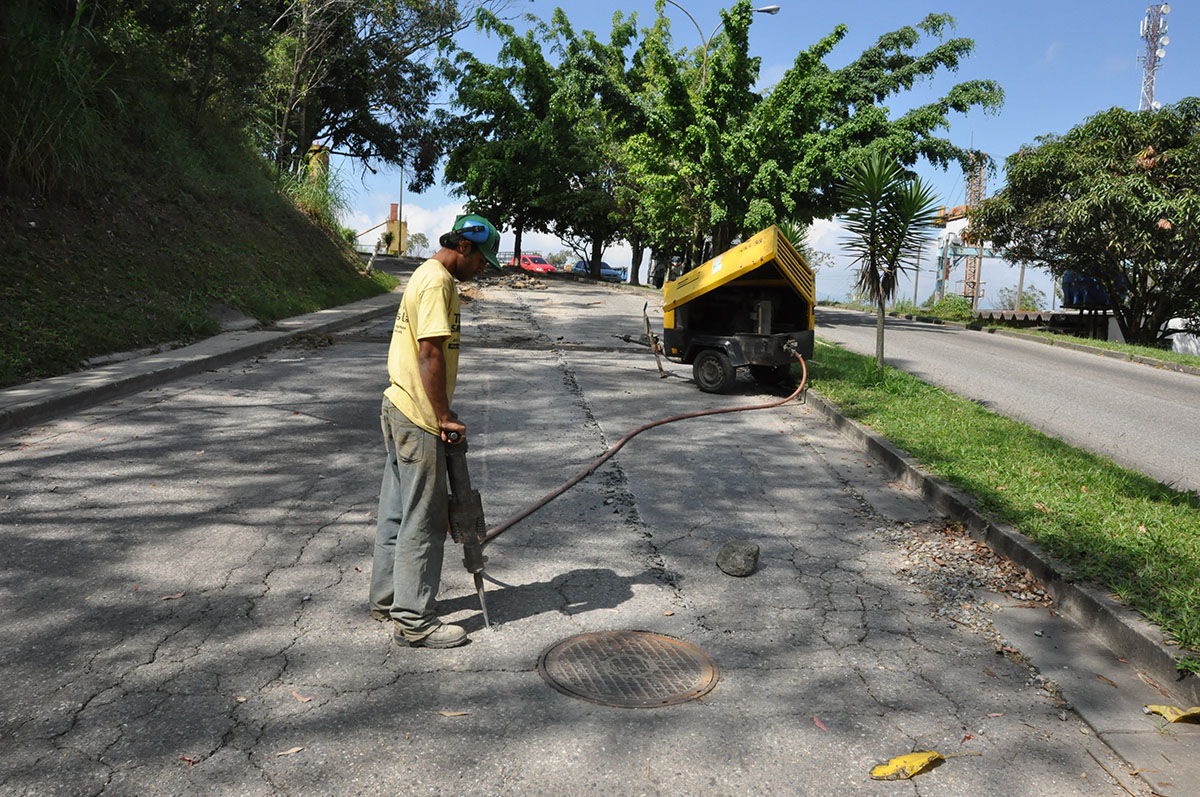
(772, 9)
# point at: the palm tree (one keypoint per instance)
(888, 219)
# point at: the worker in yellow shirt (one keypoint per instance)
(416, 419)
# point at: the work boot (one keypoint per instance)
(444, 636)
(382, 615)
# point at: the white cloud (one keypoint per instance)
(1053, 50)
(433, 222)
(825, 235)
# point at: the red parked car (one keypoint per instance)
(535, 263)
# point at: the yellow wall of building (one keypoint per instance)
(399, 231)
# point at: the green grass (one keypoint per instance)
(142, 257)
(1133, 350)
(1139, 539)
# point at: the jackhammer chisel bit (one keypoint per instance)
(467, 526)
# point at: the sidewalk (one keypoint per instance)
(31, 403)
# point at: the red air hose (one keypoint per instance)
(496, 531)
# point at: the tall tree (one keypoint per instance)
(732, 161)
(660, 161)
(888, 216)
(501, 153)
(818, 122)
(1116, 198)
(591, 114)
(354, 74)
(727, 131)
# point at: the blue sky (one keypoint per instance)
(1058, 62)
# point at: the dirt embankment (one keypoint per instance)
(142, 258)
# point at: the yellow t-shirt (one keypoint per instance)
(429, 309)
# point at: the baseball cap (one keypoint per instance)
(480, 232)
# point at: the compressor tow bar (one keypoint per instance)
(467, 526)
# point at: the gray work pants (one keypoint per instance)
(413, 517)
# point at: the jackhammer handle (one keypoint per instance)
(453, 437)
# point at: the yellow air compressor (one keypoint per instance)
(747, 307)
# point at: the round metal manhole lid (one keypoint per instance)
(628, 669)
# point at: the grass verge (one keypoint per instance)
(1139, 539)
(1165, 355)
(144, 257)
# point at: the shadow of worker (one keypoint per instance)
(575, 592)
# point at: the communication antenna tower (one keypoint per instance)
(1154, 30)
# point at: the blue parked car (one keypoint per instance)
(607, 272)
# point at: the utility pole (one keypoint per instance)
(917, 280)
(1153, 30)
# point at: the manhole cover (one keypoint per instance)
(629, 669)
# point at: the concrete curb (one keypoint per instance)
(1065, 344)
(31, 403)
(1116, 625)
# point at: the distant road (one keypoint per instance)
(1144, 418)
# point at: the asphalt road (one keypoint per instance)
(186, 570)
(1144, 418)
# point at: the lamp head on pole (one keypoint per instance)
(767, 10)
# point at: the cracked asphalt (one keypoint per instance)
(186, 571)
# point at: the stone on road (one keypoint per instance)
(738, 558)
(186, 574)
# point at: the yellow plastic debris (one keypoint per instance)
(904, 766)
(1173, 714)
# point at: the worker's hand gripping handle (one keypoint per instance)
(467, 526)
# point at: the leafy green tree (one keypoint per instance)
(718, 161)
(592, 112)
(659, 164)
(728, 159)
(817, 122)
(887, 218)
(355, 75)
(1116, 198)
(651, 148)
(1032, 299)
(501, 149)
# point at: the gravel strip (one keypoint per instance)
(961, 576)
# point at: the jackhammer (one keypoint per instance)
(467, 526)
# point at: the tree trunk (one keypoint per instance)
(298, 64)
(595, 264)
(879, 333)
(516, 244)
(1020, 287)
(635, 267)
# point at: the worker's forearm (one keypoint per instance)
(432, 366)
